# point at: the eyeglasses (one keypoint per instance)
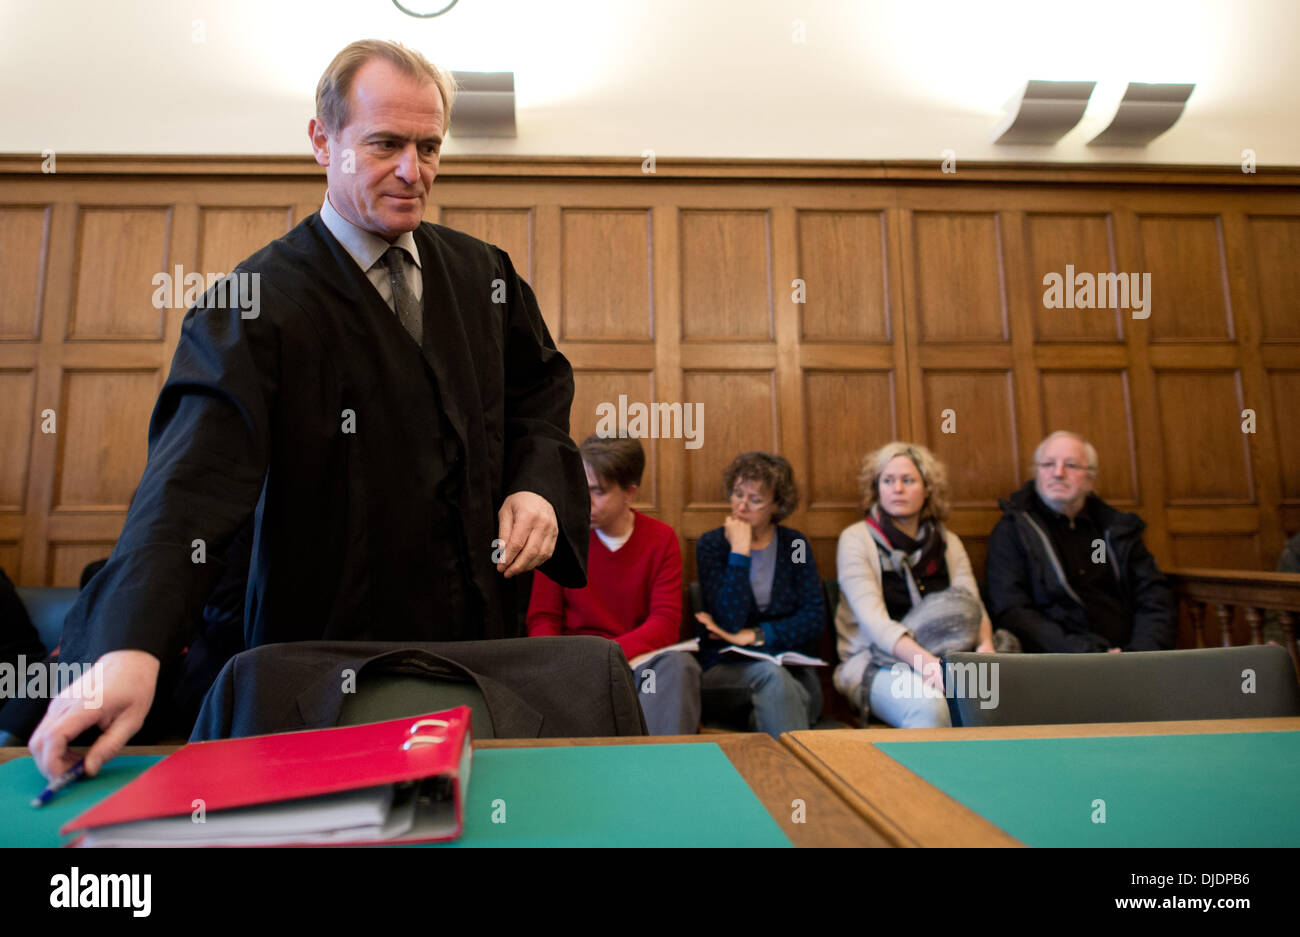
(1047, 465)
(754, 503)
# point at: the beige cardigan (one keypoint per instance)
(865, 630)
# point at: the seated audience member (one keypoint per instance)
(634, 591)
(907, 593)
(761, 591)
(1066, 571)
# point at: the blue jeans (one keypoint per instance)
(780, 699)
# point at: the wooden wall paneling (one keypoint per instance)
(1218, 551)
(1206, 457)
(842, 261)
(1189, 280)
(1053, 242)
(119, 250)
(510, 229)
(790, 402)
(42, 461)
(17, 428)
(24, 250)
(10, 557)
(1273, 246)
(959, 279)
(1263, 446)
(666, 313)
(726, 274)
(1284, 398)
(547, 261)
(1144, 412)
(68, 559)
(740, 415)
(1022, 306)
(982, 456)
(735, 341)
(102, 438)
(847, 414)
(606, 274)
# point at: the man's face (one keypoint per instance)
(394, 134)
(1063, 478)
(608, 500)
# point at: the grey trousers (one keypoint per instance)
(668, 687)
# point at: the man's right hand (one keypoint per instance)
(123, 684)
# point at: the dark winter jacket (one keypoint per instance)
(1030, 595)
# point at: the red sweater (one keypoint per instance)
(633, 595)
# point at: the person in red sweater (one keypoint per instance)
(634, 590)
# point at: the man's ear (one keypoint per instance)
(320, 140)
(631, 492)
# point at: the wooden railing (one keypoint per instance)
(1240, 600)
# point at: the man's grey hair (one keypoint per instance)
(1090, 453)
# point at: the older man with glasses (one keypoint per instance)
(1066, 571)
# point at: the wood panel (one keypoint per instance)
(1217, 551)
(842, 261)
(745, 406)
(1284, 387)
(958, 277)
(726, 275)
(119, 252)
(1185, 256)
(605, 290)
(922, 293)
(67, 560)
(1274, 247)
(24, 243)
(1081, 243)
(17, 389)
(1206, 460)
(227, 235)
(104, 417)
(510, 229)
(847, 414)
(981, 455)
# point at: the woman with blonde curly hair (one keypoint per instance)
(907, 593)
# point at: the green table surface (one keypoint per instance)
(616, 795)
(1213, 789)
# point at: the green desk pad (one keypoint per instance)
(583, 795)
(1222, 789)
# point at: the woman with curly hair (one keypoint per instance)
(761, 591)
(907, 593)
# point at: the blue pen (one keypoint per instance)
(75, 773)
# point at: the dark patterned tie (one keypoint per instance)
(407, 307)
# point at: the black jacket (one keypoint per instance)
(323, 408)
(563, 687)
(1030, 595)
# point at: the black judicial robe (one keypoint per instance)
(323, 415)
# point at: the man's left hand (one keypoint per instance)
(527, 531)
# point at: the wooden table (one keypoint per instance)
(908, 811)
(776, 777)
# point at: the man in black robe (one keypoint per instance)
(382, 392)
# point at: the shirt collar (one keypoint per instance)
(365, 247)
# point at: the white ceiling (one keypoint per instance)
(872, 79)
